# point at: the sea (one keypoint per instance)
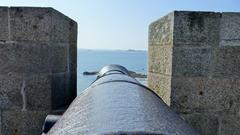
(94, 60)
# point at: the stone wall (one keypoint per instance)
(194, 65)
(38, 48)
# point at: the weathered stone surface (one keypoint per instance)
(0, 121)
(227, 62)
(10, 92)
(205, 124)
(230, 125)
(25, 58)
(202, 94)
(71, 92)
(161, 84)
(160, 59)
(161, 31)
(64, 28)
(191, 61)
(60, 61)
(204, 70)
(61, 90)
(73, 86)
(196, 28)
(33, 24)
(38, 91)
(4, 31)
(230, 29)
(22, 122)
(235, 100)
(35, 58)
(25, 92)
(38, 48)
(73, 57)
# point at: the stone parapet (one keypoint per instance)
(194, 66)
(38, 65)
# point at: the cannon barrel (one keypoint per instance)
(116, 103)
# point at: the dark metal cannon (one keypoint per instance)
(115, 103)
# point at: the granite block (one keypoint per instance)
(196, 29)
(161, 85)
(24, 58)
(10, 92)
(22, 122)
(4, 28)
(202, 94)
(191, 62)
(230, 29)
(160, 59)
(73, 57)
(161, 31)
(59, 58)
(38, 92)
(62, 95)
(31, 24)
(63, 28)
(230, 125)
(205, 124)
(227, 62)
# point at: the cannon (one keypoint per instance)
(117, 104)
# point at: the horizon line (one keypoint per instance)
(112, 49)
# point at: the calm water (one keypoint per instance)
(94, 60)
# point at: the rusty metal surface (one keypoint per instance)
(116, 104)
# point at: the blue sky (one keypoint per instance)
(121, 24)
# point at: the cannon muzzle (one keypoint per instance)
(116, 103)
